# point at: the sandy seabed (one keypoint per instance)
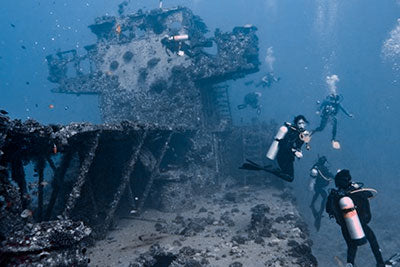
(214, 233)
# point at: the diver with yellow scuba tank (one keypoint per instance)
(349, 205)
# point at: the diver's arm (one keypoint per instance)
(297, 153)
(329, 204)
(345, 111)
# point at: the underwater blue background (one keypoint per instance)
(310, 40)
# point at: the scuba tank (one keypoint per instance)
(352, 221)
(178, 38)
(273, 149)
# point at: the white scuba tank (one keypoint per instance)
(181, 37)
(352, 221)
(273, 149)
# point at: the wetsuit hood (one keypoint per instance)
(342, 179)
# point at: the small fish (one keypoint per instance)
(51, 106)
(44, 183)
(27, 83)
(54, 149)
(23, 47)
(118, 30)
(12, 25)
(2, 111)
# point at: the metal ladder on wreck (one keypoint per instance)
(252, 149)
(223, 107)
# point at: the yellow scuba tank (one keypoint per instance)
(273, 149)
(352, 221)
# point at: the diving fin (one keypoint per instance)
(335, 144)
(393, 260)
(251, 167)
(280, 174)
(268, 168)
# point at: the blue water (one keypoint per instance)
(310, 40)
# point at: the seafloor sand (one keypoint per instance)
(215, 233)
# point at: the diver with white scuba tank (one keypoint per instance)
(320, 179)
(285, 147)
(349, 205)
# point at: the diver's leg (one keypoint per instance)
(312, 206)
(351, 247)
(285, 164)
(314, 198)
(373, 243)
(334, 128)
(324, 196)
(324, 120)
(242, 106)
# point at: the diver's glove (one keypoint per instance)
(298, 154)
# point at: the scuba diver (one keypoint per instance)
(177, 44)
(320, 178)
(268, 80)
(349, 205)
(251, 99)
(285, 148)
(328, 110)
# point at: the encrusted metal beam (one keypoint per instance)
(125, 180)
(51, 164)
(77, 188)
(40, 165)
(92, 198)
(57, 181)
(18, 175)
(154, 173)
(129, 194)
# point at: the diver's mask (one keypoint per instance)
(301, 125)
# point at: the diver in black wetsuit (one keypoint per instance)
(285, 148)
(320, 178)
(251, 99)
(290, 146)
(328, 110)
(360, 197)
